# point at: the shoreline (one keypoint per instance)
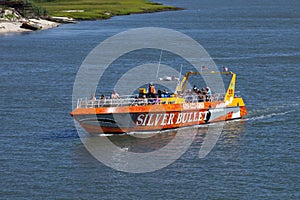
(11, 21)
(10, 27)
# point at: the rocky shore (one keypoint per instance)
(11, 22)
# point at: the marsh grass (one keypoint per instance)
(99, 9)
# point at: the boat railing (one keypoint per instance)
(133, 100)
(128, 100)
(125, 100)
(217, 97)
(193, 98)
(237, 94)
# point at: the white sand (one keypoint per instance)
(14, 27)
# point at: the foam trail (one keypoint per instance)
(266, 116)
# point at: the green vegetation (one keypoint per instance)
(98, 9)
(25, 7)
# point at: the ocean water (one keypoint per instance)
(42, 156)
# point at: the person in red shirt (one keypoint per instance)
(151, 91)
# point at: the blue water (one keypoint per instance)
(42, 156)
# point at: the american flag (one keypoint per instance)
(204, 68)
(225, 69)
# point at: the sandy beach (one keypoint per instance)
(7, 27)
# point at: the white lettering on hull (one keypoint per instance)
(140, 120)
(159, 119)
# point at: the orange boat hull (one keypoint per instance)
(153, 117)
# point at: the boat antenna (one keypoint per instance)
(161, 51)
(178, 82)
(180, 72)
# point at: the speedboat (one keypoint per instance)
(142, 113)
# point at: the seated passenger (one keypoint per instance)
(102, 100)
(200, 96)
(102, 97)
(115, 95)
(165, 93)
(195, 89)
(159, 93)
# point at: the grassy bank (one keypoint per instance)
(99, 9)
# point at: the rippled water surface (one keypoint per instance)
(42, 156)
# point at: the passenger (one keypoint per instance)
(102, 97)
(151, 91)
(208, 94)
(141, 100)
(195, 89)
(159, 93)
(189, 96)
(200, 96)
(142, 92)
(208, 91)
(93, 98)
(203, 93)
(165, 93)
(144, 100)
(115, 95)
(225, 69)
